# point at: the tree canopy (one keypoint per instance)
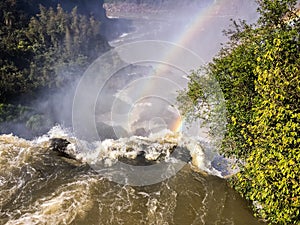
(46, 49)
(258, 71)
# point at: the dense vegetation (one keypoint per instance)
(43, 47)
(35, 52)
(259, 73)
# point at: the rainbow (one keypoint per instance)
(177, 125)
(198, 23)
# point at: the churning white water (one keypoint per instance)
(38, 186)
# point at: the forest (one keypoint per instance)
(44, 46)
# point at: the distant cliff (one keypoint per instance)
(25, 9)
(148, 8)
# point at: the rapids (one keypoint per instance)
(40, 187)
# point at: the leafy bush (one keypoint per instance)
(271, 174)
(259, 74)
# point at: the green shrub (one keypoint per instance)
(259, 74)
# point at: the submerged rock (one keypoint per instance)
(60, 146)
(134, 151)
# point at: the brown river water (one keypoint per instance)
(40, 187)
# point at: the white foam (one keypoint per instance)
(62, 207)
(109, 151)
(154, 146)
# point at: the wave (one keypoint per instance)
(37, 186)
(16, 152)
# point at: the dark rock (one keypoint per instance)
(141, 132)
(140, 160)
(106, 131)
(60, 145)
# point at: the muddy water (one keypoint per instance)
(40, 187)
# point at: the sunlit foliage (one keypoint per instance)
(259, 74)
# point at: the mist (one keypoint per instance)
(196, 25)
(107, 104)
(136, 92)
